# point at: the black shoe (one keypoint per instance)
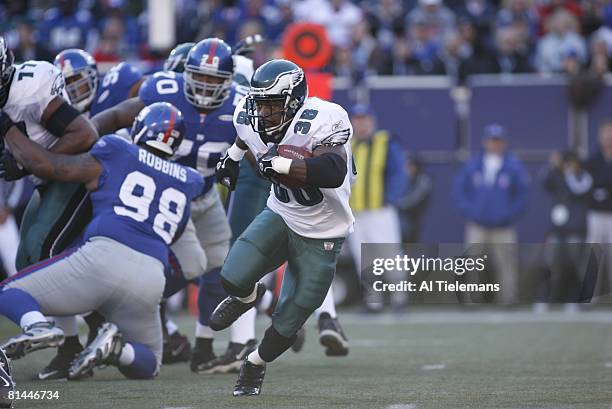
(94, 321)
(250, 379)
(233, 357)
(230, 309)
(332, 337)
(202, 356)
(59, 365)
(176, 349)
(299, 340)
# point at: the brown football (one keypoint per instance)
(292, 152)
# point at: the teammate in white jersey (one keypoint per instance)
(304, 226)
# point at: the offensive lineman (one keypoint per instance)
(140, 203)
(304, 226)
(32, 95)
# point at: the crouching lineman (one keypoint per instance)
(140, 203)
(304, 226)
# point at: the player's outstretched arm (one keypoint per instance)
(75, 132)
(118, 117)
(82, 168)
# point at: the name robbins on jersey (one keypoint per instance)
(171, 169)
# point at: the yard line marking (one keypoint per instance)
(608, 364)
(431, 367)
(401, 406)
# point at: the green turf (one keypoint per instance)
(470, 359)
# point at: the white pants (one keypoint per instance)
(599, 230)
(9, 241)
(502, 245)
(377, 226)
(205, 242)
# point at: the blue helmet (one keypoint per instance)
(176, 60)
(6, 71)
(80, 74)
(211, 58)
(160, 126)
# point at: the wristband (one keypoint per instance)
(281, 165)
(235, 153)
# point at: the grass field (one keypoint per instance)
(425, 359)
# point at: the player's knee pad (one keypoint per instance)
(234, 290)
(274, 344)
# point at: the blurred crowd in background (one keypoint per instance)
(387, 37)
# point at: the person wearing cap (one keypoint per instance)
(380, 185)
(491, 192)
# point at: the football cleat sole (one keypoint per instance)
(105, 345)
(21, 345)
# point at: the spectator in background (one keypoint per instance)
(522, 16)
(438, 19)
(454, 56)
(10, 195)
(65, 26)
(568, 185)
(509, 56)
(599, 217)
(491, 192)
(425, 46)
(28, 47)
(552, 6)
(414, 203)
(381, 184)
(480, 14)
(601, 50)
(111, 47)
(338, 16)
(386, 18)
(561, 41)
(592, 16)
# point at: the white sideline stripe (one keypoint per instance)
(401, 406)
(178, 407)
(431, 367)
(608, 365)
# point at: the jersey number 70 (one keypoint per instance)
(137, 193)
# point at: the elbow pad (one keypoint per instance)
(326, 171)
(61, 118)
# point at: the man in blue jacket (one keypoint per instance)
(491, 192)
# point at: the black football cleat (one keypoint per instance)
(7, 386)
(176, 349)
(231, 308)
(202, 359)
(232, 359)
(250, 379)
(59, 365)
(37, 336)
(332, 337)
(299, 340)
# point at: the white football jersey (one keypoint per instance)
(310, 212)
(34, 85)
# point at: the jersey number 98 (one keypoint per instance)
(138, 191)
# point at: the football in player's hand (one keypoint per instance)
(292, 152)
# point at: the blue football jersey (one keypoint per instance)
(142, 200)
(207, 136)
(115, 87)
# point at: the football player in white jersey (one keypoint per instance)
(32, 97)
(304, 224)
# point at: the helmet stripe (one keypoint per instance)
(211, 54)
(170, 125)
